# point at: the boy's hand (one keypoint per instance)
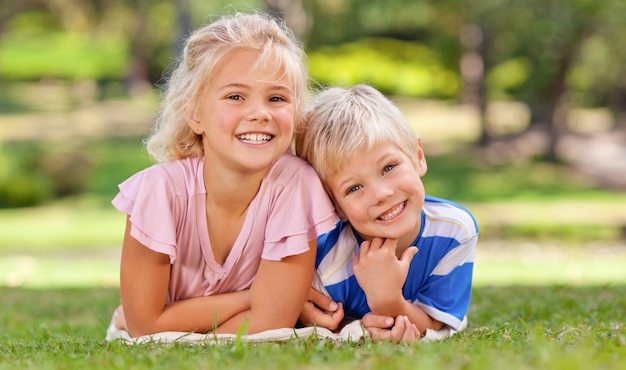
(380, 273)
(385, 328)
(321, 311)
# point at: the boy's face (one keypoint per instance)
(380, 192)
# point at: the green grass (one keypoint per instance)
(511, 327)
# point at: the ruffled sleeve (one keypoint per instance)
(148, 198)
(301, 212)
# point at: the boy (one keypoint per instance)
(399, 260)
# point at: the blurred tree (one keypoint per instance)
(10, 8)
(530, 50)
(548, 53)
(292, 12)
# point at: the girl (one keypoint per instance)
(223, 230)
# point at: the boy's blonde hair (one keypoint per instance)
(341, 121)
(206, 50)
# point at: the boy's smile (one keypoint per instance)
(393, 212)
(380, 192)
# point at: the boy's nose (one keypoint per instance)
(380, 193)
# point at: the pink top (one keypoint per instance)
(167, 208)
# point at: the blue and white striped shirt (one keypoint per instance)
(440, 276)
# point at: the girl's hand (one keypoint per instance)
(321, 310)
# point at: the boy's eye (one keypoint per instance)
(354, 188)
(235, 97)
(388, 168)
(277, 99)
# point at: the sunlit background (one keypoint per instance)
(520, 105)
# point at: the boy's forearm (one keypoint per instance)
(400, 306)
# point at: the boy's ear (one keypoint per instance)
(340, 214)
(421, 158)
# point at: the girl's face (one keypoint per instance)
(380, 192)
(245, 115)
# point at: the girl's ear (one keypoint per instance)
(191, 116)
(421, 158)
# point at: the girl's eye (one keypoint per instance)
(388, 168)
(235, 97)
(354, 188)
(277, 99)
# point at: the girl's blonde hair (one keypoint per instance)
(205, 51)
(341, 121)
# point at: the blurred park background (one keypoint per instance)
(521, 106)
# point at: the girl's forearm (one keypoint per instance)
(277, 294)
(201, 314)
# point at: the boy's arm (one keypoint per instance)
(383, 321)
(455, 270)
(382, 275)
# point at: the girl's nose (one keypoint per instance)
(259, 112)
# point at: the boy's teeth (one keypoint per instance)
(255, 138)
(393, 213)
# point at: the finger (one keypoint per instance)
(322, 301)
(418, 333)
(377, 243)
(407, 256)
(410, 334)
(397, 332)
(332, 320)
(308, 313)
(378, 334)
(365, 247)
(390, 245)
(328, 320)
(377, 321)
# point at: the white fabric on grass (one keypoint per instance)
(352, 332)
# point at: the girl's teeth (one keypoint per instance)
(255, 138)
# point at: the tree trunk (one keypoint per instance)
(472, 66)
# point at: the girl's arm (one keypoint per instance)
(144, 283)
(277, 294)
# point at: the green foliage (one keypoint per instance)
(62, 54)
(463, 177)
(395, 67)
(37, 172)
(508, 76)
(21, 183)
